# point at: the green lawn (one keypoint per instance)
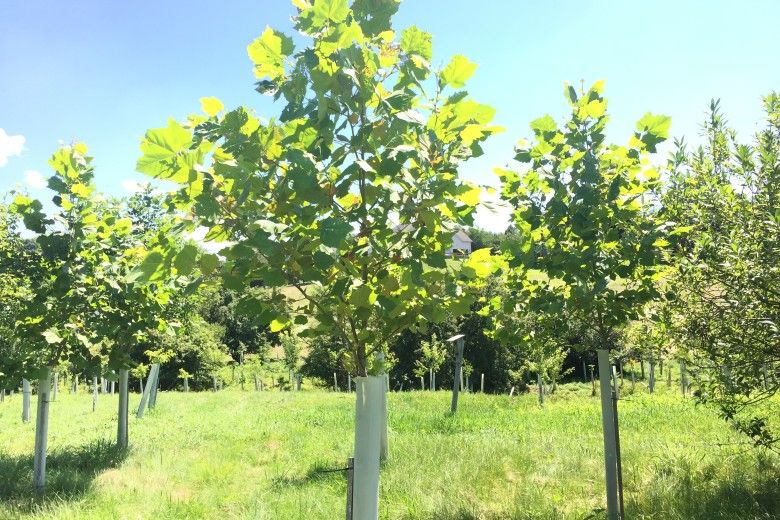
(259, 455)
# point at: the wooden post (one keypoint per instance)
(94, 392)
(541, 388)
(642, 368)
(651, 376)
(384, 445)
(42, 430)
(765, 373)
(147, 391)
(350, 485)
(456, 381)
(615, 399)
(482, 383)
(121, 435)
(26, 391)
(615, 383)
(54, 386)
(608, 426)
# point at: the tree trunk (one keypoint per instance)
(122, 434)
(41, 431)
(541, 388)
(651, 374)
(26, 391)
(94, 393)
(54, 386)
(368, 408)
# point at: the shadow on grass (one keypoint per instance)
(319, 473)
(69, 474)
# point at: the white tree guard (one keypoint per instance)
(368, 412)
(42, 430)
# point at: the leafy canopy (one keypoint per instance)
(346, 201)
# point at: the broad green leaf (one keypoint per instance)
(415, 41)
(278, 324)
(161, 148)
(186, 259)
(151, 269)
(211, 105)
(268, 53)
(362, 296)
(334, 232)
(208, 263)
(330, 10)
(457, 72)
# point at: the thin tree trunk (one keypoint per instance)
(94, 393)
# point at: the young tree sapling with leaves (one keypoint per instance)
(589, 243)
(349, 198)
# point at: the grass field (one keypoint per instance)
(261, 455)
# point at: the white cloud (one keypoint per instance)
(34, 179)
(199, 236)
(493, 214)
(131, 186)
(10, 146)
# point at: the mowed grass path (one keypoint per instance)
(260, 455)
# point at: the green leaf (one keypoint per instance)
(186, 259)
(208, 263)
(457, 72)
(415, 41)
(211, 105)
(362, 296)
(334, 232)
(278, 325)
(544, 125)
(161, 148)
(151, 269)
(330, 10)
(268, 53)
(658, 125)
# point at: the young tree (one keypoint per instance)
(432, 354)
(350, 197)
(726, 286)
(588, 243)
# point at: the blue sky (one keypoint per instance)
(103, 72)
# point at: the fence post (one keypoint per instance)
(350, 485)
(26, 400)
(94, 392)
(456, 382)
(541, 388)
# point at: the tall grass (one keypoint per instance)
(266, 456)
